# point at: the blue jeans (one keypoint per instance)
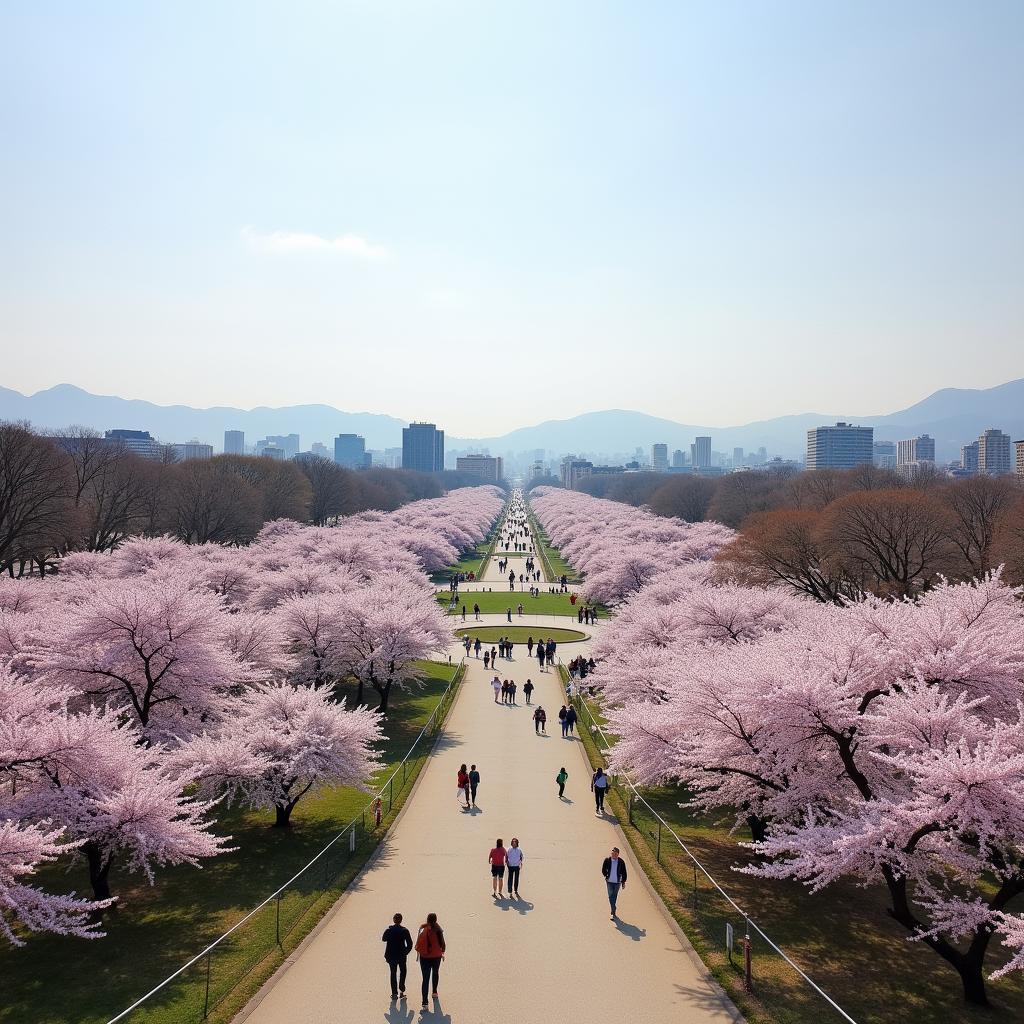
(613, 894)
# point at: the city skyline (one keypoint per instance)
(751, 199)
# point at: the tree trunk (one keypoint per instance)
(973, 980)
(385, 692)
(99, 871)
(758, 828)
(284, 815)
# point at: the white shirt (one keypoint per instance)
(613, 873)
(514, 856)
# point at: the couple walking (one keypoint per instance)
(499, 858)
(430, 948)
(467, 782)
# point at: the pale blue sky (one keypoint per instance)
(488, 214)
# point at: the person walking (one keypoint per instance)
(528, 689)
(476, 647)
(614, 871)
(487, 659)
(561, 778)
(504, 691)
(599, 786)
(474, 782)
(540, 718)
(515, 863)
(511, 691)
(463, 613)
(540, 654)
(466, 642)
(570, 716)
(463, 784)
(561, 718)
(431, 948)
(496, 686)
(397, 947)
(476, 612)
(496, 858)
(529, 646)
(508, 613)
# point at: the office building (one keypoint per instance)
(490, 469)
(350, 451)
(762, 456)
(884, 454)
(288, 443)
(842, 446)
(915, 449)
(423, 448)
(138, 442)
(191, 450)
(270, 451)
(659, 458)
(1019, 447)
(737, 458)
(994, 453)
(678, 459)
(969, 457)
(320, 450)
(700, 453)
(574, 470)
(234, 442)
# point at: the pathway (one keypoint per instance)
(552, 954)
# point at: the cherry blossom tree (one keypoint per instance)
(280, 743)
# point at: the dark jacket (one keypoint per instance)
(399, 943)
(606, 869)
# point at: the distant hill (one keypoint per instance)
(952, 416)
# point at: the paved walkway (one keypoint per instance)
(551, 955)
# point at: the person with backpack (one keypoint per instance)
(398, 946)
(474, 781)
(496, 858)
(561, 718)
(431, 948)
(599, 786)
(463, 784)
(561, 778)
(570, 717)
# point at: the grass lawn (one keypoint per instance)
(498, 601)
(472, 561)
(842, 937)
(520, 634)
(60, 980)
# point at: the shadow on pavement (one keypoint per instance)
(630, 930)
(400, 1013)
(520, 906)
(435, 1013)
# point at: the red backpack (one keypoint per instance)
(427, 944)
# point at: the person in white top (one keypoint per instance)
(496, 684)
(514, 859)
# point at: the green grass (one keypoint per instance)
(842, 937)
(499, 601)
(471, 562)
(59, 980)
(520, 634)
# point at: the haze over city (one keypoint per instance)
(489, 216)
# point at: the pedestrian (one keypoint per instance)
(463, 613)
(561, 719)
(614, 871)
(476, 647)
(476, 611)
(431, 948)
(599, 786)
(496, 858)
(463, 784)
(494, 656)
(540, 718)
(549, 652)
(529, 646)
(466, 643)
(398, 946)
(487, 659)
(504, 691)
(520, 609)
(496, 686)
(511, 691)
(474, 782)
(540, 654)
(508, 613)
(528, 689)
(561, 778)
(508, 649)
(570, 718)
(515, 863)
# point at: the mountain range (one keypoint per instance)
(953, 416)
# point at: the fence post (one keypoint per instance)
(748, 974)
(391, 795)
(659, 841)
(404, 764)
(695, 888)
(629, 807)
(278, 925)
(352, 840)
(206, 998)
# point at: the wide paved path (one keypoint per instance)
(553, 955)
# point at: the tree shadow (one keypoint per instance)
(705, 999)
(631, 931)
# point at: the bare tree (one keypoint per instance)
(283, 489)
(207, 501)
(979, 505)
(685, 496)
(334, 491)
(741, 495)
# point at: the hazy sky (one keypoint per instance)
(488, 214)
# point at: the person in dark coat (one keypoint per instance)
(397, 947)
(614, 871)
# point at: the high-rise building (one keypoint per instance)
(969, 457)
(270, 451)
(659, 458)
(423, 448)
(700, 453)
(320, 450)
(884, 454)
(994, 452)
(288, 443)
(234, 442)
(574, 470)
(192, 450)
(762, 456)
(487, 467)
(915, 449)
(840, 447)
(678, 459)
(138, 442)
(1019, 446)
(737, 458)
(350, 451)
